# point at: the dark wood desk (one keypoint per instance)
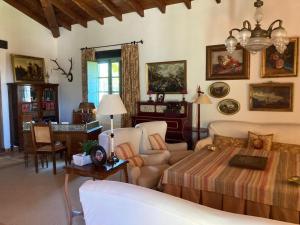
(100, 173)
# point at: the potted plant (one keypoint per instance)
(84, 158)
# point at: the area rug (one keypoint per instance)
(8, 159)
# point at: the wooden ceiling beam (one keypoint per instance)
(27, 12)
(89, 10)
(66, 10)
(188, 3)
(50, 17)
(161, 5)
(111, 8)
(136, 5)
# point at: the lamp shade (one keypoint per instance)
(111, 105)
(202, 99)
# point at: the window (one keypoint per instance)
(104, 76)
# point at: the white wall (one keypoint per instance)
(183, 34)
(25, 37)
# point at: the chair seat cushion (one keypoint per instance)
(150, 175)
(48, 148)
(157, 142)
(178, 155)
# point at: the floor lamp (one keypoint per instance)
(111, 105)
(200, 100)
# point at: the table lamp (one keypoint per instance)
(111, 105)
(201, 99)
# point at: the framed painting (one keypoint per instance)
(28, 68)
(218, 89)
(275, 64)
(220, 65)
(228, 106)
(271, 97)
(167, 77)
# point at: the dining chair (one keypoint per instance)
(43, 144)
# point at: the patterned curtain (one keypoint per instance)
(86, 55)
(130, 81)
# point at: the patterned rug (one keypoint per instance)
(11, 158)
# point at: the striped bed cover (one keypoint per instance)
(209, 171)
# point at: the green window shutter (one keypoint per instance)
(93, 82)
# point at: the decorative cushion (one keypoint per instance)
(260, 142)
(136, 161)
(157, 142)
(223, 142)
(125, 151)
(283, 147)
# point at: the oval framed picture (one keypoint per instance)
(98, 155)
(228, 106)
(218, 89)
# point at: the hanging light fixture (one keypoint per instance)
(258, 39)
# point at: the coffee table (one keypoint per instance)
(90, 170)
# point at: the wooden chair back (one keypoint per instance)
(41, 135)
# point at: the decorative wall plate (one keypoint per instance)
(218, 89)
(228, 106)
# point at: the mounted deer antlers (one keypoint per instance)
(69, 75)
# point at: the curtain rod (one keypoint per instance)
(104, 46)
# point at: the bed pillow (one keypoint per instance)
(260, 142)
(157, 142)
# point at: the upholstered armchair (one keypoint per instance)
(149, 173)
(176, 151)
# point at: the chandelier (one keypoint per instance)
(258, 39)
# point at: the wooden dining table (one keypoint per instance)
(207, 178)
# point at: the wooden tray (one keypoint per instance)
(249, 162)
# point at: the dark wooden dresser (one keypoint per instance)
(178, 116)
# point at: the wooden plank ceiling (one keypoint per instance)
(64, 13)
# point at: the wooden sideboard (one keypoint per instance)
(178, 116)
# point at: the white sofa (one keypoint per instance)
(283, 132)
(115, 203)
(154, 165)
(176, 151)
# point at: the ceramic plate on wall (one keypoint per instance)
(218, 89)
(228, 106)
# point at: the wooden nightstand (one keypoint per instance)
(100, 173)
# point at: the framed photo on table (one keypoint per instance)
(271, 97)
(167, 77)
(28, 68)
(220, 65)
(275, 64)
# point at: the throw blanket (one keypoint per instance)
(209, 171)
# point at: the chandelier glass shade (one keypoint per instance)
(257, 39)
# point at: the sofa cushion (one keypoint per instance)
(223, 142)
(260, 142)
(125, 151)
(283, 147)
(157, 142)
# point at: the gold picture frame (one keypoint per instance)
(229, 106)
(28, 69)
(275, 64)
(277, 97)
(167, 77)
(220, 65)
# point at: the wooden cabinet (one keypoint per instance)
(178, 116)
(27, 102)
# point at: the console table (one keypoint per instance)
(178, 116)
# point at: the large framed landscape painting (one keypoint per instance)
(275, 64)
(271, 97)
(167, 77)
(220, 65)
(28, 68)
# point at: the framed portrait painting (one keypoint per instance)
(28, 68)
(271, 97)
(275, 64)
(167, 77)
(220, 65)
